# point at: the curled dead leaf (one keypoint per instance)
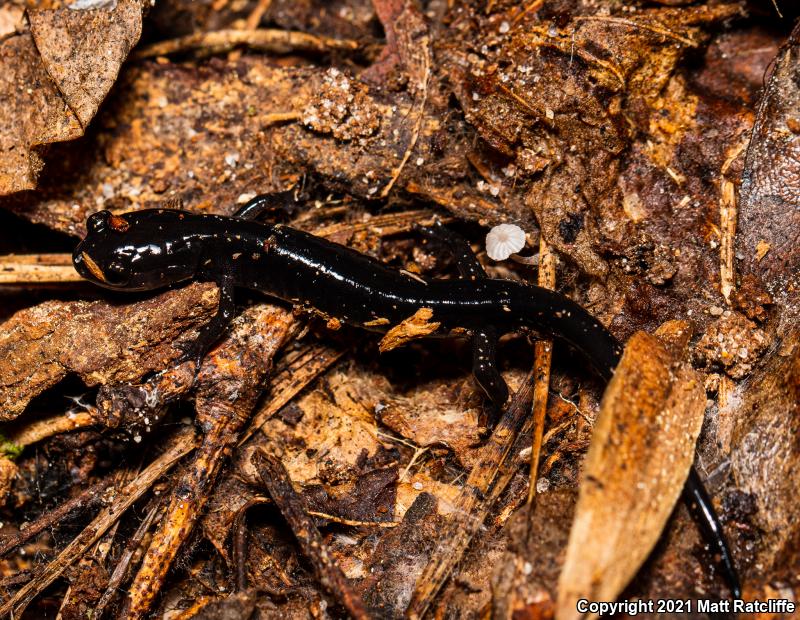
(641, 451)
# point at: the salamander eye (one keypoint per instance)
(116, 273)
(97, 222)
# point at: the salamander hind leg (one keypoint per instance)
(278, 203)
(466, 262)
(484, 340)
(484, 366)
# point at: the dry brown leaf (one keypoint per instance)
(333, 429)
(641, 451)
(83, 51)
(434, 416)
(32, 115)
(54, 77)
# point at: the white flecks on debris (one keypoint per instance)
(504, 240)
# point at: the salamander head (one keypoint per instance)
(136, 251)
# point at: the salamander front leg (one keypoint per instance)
(212, 331)
(283, 203)
(484, 366)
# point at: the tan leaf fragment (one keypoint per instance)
(641, 451)
(33, 114)
(415, 326)
(53, 79)
(83, 51)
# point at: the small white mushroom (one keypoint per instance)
(504, 240)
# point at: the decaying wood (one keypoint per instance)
(641, 451)
(276, 480)
(228, 384)
(181, 445)
(417, 325)
(100, 341)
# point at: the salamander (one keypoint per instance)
(156, 248)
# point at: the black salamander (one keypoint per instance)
(155, 248)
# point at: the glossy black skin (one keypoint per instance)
(151, 249)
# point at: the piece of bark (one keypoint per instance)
(765, 454)
(641, 451)
(99, 341)
(416, 326)
(276, 480)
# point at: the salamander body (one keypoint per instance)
(152, 249)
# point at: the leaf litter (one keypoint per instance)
(635, 141)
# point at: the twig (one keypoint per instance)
(728, 217)
(182, 445)
(533, 6)
(252, 22)
(87, 499)
(265, 40)
(387, 224)
(352, 522)
(121, 569)
(42, 429)
(37, 269)
(494, 469)
(276, 479)
(543, 356)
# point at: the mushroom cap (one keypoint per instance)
(504, 240)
